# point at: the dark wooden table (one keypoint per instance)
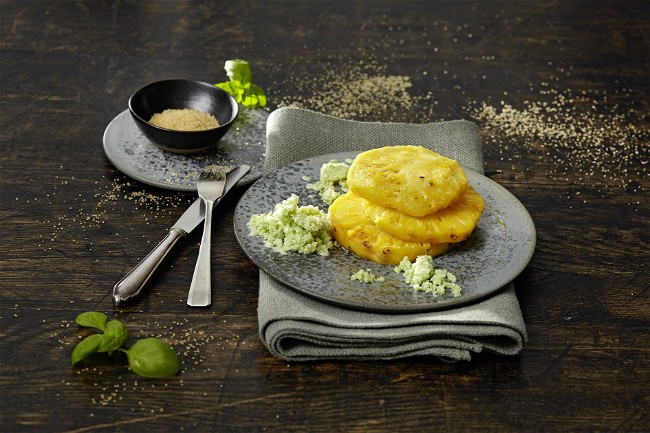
(561, 93)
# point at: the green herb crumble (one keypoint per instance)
(422, 276)
(293, 228)
(332, 174)
(366, 276)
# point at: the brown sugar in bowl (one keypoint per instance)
(183, 94)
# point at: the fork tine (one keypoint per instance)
(211, 184)
(212, 175)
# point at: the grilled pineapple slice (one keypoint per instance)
(451, 224)
(354, 231)
(410, 179)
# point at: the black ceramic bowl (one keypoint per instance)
(175, 94)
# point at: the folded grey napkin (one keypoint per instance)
(295, 327)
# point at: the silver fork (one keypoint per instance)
(210, 187)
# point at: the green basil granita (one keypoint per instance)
(333, 176)
(422, 276)
(366, 276)
(290, 227)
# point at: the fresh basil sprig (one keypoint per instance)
(241, 85)
(150, 357)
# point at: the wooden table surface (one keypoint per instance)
(560, 90)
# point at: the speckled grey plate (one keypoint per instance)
(499, 249)
(134, 155)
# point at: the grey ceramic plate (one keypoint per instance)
(499, 249)
(131, 153)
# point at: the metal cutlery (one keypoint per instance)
(210, 188)
(133, 283)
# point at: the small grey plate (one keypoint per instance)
(134, 155)
(500, 248)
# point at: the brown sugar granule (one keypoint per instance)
(355, 91)
(583, 134)
(184, 119)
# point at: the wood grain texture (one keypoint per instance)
(71, 225)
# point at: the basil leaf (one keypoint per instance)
(241, 85)
(234, 88)
(254, 97)
(115, 335)
(85, 348)
(228, 86)
(152, 357)
(261, 96)
(250, 101)
(92, 319)
(239, 70)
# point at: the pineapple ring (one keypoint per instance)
(410, 179)
(451, 224)
(355, 232)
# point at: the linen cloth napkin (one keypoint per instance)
(295, 327)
